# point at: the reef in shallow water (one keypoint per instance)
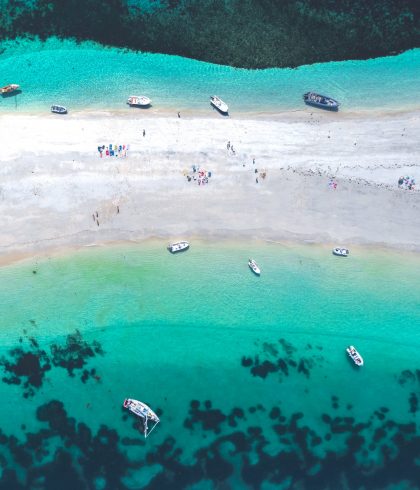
(27, 365)
(282, 359)
(236, 447)
(373, 453)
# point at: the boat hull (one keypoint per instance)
(355, 356)
(224, 112)
(58, 110)
(140, 106)
(341, 252)
(140, 409)
(175, 248)
(218, 104)
(322, 106)
(320, 101)
(254, 267)
(9, 89)
(144, 412)
(139, 101)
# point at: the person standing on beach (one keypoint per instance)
(144, 133)
(179, 115)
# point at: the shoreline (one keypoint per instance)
(68, 250)
(169, 112)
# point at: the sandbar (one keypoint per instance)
(56, 191)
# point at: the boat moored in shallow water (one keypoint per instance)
(178, 247)
(321, 101)
(254, 267)
(341, 252)
(143, 411)
(58, 109)
(219, 104)
(9, 89)
(138, 101)
(354, 355)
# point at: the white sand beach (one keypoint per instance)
(56, 191)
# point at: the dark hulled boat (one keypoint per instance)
(58, 109)
(321, 101)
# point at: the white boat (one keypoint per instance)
(254, 267)
(355, 356)
(145, 412)
(219, 104)
(178, 247)
(138, 101)
(341, 252)
(58, 109)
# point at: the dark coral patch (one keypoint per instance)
(75, 353)
(99, 460)
(270, 361)
(246, 361)
(26, 367)
(209, 418)
(414, 403)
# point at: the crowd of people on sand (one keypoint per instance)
(332, 184)
(199, 175)
(110, 150)
(406, 183)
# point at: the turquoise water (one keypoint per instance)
(88, 76)
(285, 407)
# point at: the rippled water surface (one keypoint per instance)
(87, 76)
(248, 374)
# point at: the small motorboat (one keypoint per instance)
(58, 109)
(254, 267)
(145, 412)
(9, 89)
(320, 101)
(341, 252)
(219, 104)
(138, 101)
(178, 247)
(354, 355)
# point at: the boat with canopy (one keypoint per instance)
(138, 101)
(178, 247)
(341, 252)
(354, 355)
(9, 89)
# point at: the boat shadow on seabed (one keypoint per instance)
(11, 94)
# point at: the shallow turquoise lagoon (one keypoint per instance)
(248, 374)
(87, 76)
